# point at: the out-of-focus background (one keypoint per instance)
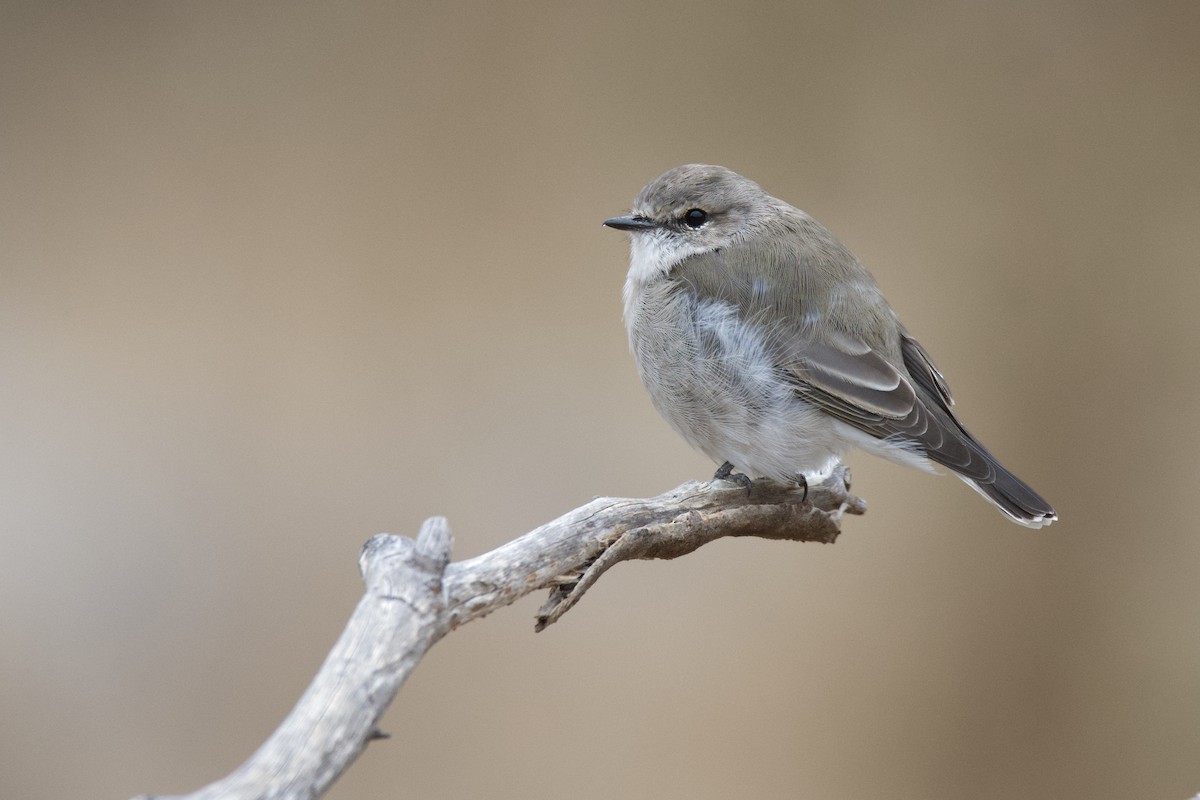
(277, 276)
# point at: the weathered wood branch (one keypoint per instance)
(415, 596)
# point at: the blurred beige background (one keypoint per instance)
(277, 276)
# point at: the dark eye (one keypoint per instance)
(695, 217)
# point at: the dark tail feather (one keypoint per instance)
(1013, 497)
(980, 470)
(945, 440)
(948, 443)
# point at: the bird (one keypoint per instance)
(770, 348)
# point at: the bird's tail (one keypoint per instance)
(1015, 499)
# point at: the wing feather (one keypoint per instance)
(849, 381)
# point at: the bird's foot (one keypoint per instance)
(725, 473)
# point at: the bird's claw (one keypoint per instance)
(725, 473)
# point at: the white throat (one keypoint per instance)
(652, 256)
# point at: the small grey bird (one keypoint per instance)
(767, 345)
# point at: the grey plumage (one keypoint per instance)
(766, 343)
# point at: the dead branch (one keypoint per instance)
(415, 596)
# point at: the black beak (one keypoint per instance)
(631, 223)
